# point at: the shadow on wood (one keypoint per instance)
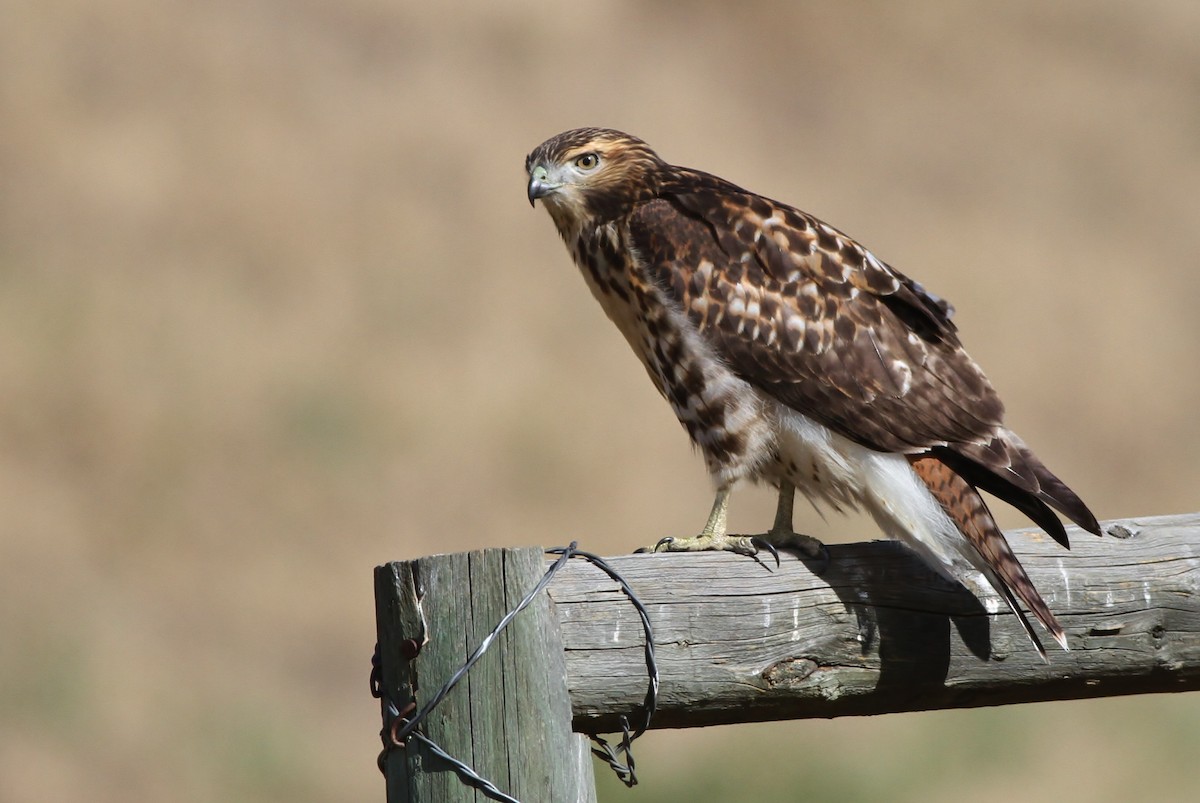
(878, 632)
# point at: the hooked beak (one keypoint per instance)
(539, 185)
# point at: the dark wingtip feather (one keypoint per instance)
(1056, 492)
(1005, 489)
(1022, 480)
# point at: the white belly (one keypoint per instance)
(833, 471)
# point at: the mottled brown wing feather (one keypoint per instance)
(804, 313)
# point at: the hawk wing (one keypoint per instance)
(807, 315)
(811, 318)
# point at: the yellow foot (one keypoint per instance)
(750, 545)
(806, 545)
(708, 542)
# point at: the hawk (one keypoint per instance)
(795, 357)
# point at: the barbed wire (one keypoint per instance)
(399, 726)
(624, 770)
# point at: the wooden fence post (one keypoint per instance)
(510, 716)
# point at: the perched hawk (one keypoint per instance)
(795, 357)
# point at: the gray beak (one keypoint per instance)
(538, 186)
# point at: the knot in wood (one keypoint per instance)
(789, 672)
(1123, 531)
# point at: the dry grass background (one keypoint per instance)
(274, 309)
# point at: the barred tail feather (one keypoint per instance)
(966, 508)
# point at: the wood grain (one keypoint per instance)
(874, 631)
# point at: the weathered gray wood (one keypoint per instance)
(398, 618)
(878, 632)
(510, 717)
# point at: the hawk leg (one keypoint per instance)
(781, 533)
(715, 538)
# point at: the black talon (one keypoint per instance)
(767, 545)
(647, 550)
(825, 558)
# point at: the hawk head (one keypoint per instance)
(591, 175)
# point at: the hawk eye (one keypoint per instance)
(587, 162)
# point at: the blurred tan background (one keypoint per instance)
(274, 309)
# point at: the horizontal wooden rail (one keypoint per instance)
(875, 631)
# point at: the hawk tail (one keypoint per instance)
(966, 508)
(1008, 469)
